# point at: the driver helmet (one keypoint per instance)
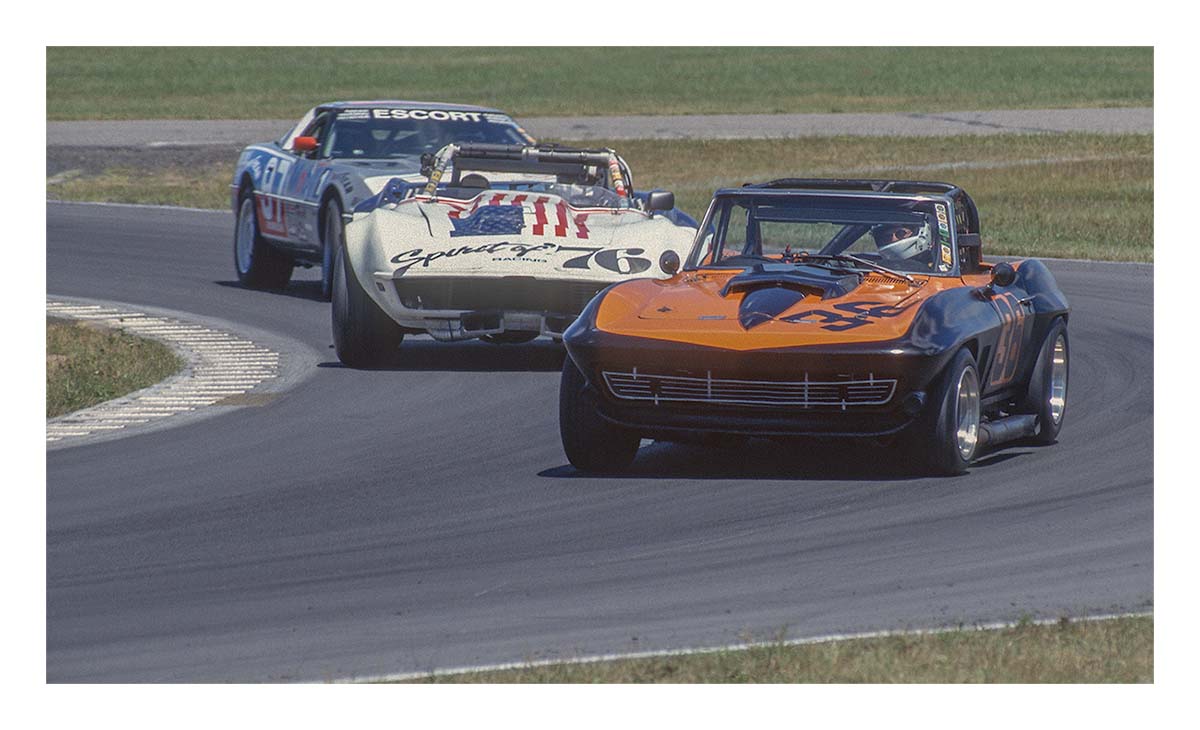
(901, 241)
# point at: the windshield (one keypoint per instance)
(908, 235)
(392, 133)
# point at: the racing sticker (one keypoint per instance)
(437, 115)
(494, 220)
(272, 216)
(943, 220)
(944, 228)
(561, 226)
(1008, 345)
(618, 260)
(849, 315)
(507, 223)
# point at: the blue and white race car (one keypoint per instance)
(289, 195)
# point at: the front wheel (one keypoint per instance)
(590, 442)
(258, 264)
(363, 335)
(947, 436)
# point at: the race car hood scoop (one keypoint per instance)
(808, 280)
(771, 289)
(765, 303)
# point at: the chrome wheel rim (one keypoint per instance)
(967, 409)
(244, 241)
(1058, 379)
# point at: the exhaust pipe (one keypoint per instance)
(1007, 429)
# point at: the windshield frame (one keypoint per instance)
(699, 249)
(605, 164)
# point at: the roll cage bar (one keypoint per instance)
(962, 201)
(532, 159)
(966, 215)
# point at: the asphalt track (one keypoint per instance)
(184, 132)
(367, 523)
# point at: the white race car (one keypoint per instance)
(512, 245)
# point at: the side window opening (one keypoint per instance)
(318, 128)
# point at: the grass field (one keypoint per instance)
(1113, 651)
(1067, 196)
(86, 365)
(275, 83)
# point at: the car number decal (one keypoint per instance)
(1012, 331)
(272, 217)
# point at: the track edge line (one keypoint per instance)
(823, 639)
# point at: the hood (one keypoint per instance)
(766, 306)
(375, 174)
(506, 232)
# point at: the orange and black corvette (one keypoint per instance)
(806, 308)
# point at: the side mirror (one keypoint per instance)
(304, 144)
(1003, 274)
(669, 261)
(660, 200)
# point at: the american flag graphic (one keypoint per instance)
(556, 219)
(490, 221)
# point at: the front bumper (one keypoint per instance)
(687, 389)
(452, 308)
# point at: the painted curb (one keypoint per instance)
(224, 370)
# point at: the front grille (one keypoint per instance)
(511, 294)
(800, 393)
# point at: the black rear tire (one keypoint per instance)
(258, 264)
(363, 334)
(1043, 400)
(591, 443)
(934, 437)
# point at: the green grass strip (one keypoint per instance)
(87, 364)
(281, 83)
(1117, 650)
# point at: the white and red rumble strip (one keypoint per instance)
(219, 365)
